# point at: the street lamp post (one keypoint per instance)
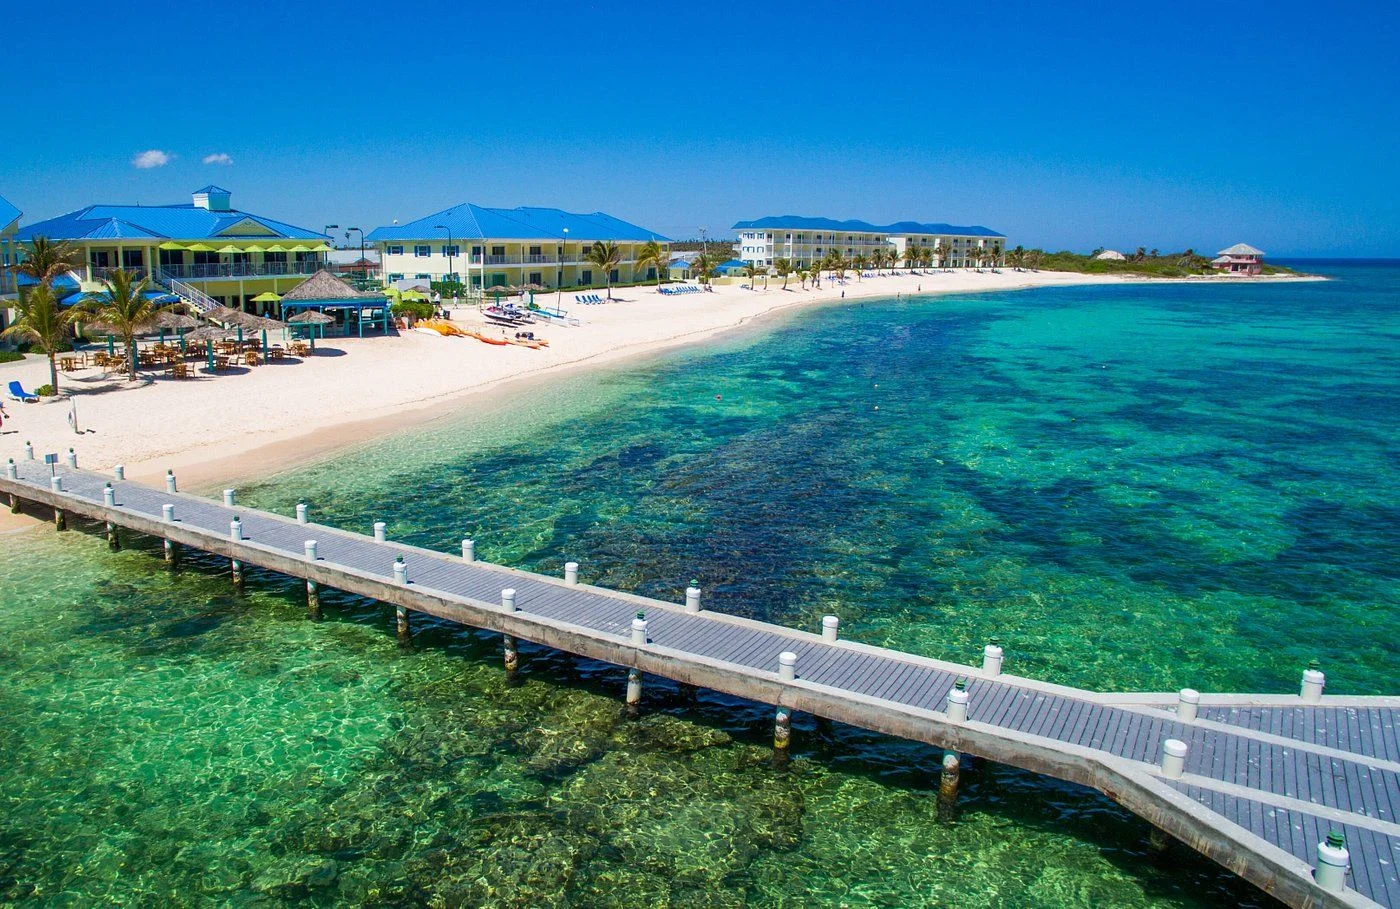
(364, 268)
(559, 287)
(327, 232)
(449, 247)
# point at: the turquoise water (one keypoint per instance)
(1133, 487)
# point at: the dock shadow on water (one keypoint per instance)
(171, 741)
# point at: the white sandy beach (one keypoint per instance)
(247, 422)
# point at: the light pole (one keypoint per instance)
(559, 288)
(364, 268)
(449, 246)
(327, 232)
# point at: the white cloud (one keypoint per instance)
(219, 158)
(152, 158)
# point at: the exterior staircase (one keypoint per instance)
(197, 299)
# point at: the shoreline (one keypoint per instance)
(316, 404)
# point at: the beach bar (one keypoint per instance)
(325, 293)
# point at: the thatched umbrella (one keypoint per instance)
(266, 324)
(166, 319)
(311, 319)
(235, 317)
(209, 334)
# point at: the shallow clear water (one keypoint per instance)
(1133, 487)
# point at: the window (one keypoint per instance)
(422, 276)
(99, 259)
(452, 278)
(498, 280)
(422, 252)
(393, 250)
(476, 280)
(170, 257)
(535, 278)
(453, 251)
(275, 257)
(131, 258)
(536, 250)
(612, 275)
(587, 248)
(395, 276)
(586, 277)
(498, 250)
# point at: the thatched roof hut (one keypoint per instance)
(323, 287)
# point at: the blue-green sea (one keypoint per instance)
(1133, 487)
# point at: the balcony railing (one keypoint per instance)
(241, 270)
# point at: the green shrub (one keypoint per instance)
(44, 391)
(10, 356)
(414, 308)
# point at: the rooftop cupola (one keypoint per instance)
(212, 198)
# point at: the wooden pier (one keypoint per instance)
(1255, 782)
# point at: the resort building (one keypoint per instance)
(511, 247)
(804, 241)
(205, 251)
(9, 224)
(1240, 259)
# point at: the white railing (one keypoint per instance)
(190, 294)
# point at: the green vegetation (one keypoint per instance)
(1142, 262)
(10, 356)
(126, 309)
(605, 255)
(43, 323)
(416, 309)
(44, 391)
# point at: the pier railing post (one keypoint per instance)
(1188, 702)
(957, 702)
(109, 496)
(302, 513)
(235, 533)
(787, 666)
(72, 458)
(380, 532)
(692, 597)
(1173, 758)
(571, 572)
(1333, 860)
(991, 658)
(60, 520)
(109, 499)
(228, 498)
(469, 550)
(400, 572)
(1313, 682)
(170, 481)
(29, 451)
(634, 675)
(508, 599)
(119, 471)
(831, 628)
(639, 629)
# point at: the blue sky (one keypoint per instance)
(1064, 127)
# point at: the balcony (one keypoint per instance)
(240, 270)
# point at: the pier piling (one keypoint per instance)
(512, 655)
(782, 735)
(831, 628)
(170, 485)
(303, 513)
(787, 666)
(119, 471)
(571, 572)
(948, 786)
(400, 572)
(401, 624)
(469, 550)
(12, 473)
(109, 496)
(1188, 701)
(228, 498)
(313, 596)
(508, 599)
(634, 692)
(236, 571)
(381, 532)
(29, 451)
(692, 597)
(72, 459)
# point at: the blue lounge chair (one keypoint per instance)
(17, 393)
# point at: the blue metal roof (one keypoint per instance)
(796, 222)
(211, 189)
(474, 222)
(165, 222)
(8, 213)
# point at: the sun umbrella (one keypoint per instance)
(413, 295)
(267, 324)
(267, 297)
(209, 334)
(167, 319)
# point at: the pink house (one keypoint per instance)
(1240, 259)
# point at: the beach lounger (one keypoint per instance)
(17, 393)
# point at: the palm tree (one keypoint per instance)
(752, 271)
(942, 250)
(703, 267)
(1017, 257)
(42, 322)
(607, 255)
(804, 274)
(1033, 259)
(859, 263)
(126, 308)
(46, 260)
(651, 255)
(784, 268)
